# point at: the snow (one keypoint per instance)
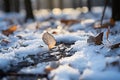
(67, 38)
(29, 50)
(76, 27)
(78, 61)
(107, 75)
(82, 60)
(3, 25)
(5, 60)
(39, 68)
(64, 72)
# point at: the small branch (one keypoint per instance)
(106, 2)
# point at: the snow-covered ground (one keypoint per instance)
(72, 58)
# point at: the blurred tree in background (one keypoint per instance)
(28, 8)
(15, 5)
(30, 5)
(6, 6)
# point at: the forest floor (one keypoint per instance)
(59, 46)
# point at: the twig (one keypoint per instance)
(106, 2)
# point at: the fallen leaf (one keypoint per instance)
(69, 22)
(54, 32)
(115, 63)
(49, 40)
(115, 46)
(97, 40)
(9, 30)
(48, 69)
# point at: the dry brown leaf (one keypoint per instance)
(49, 40)
(115, 46)
(9, 30)
(69, 22)
(97, 40)
(54, 32)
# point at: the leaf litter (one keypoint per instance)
(65, 54)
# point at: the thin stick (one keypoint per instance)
(106, 2)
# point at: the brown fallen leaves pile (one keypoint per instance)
(10, 30)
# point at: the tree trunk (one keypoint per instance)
(28, 8)
(116, 10)
(61, 6)
(15, 5)
(77, 3)
(7, 6)
(50, 4)
(89, 5)
(74, 3)
(38, 4)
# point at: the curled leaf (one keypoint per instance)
(9, 30)
(49, 40)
